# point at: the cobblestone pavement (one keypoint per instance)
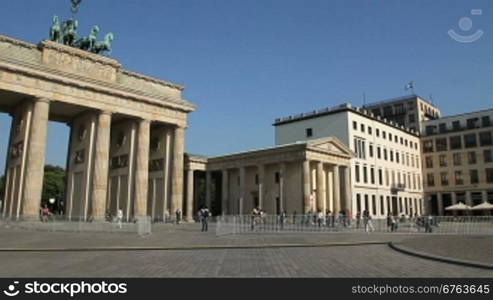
(345, 261)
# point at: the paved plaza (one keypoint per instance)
(184, 251)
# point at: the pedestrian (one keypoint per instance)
(358, 219)
(327, 217)
(320, 218)
(294, 217)
(119, 217)
(429, 224)
(283, 218)
(204, 218)
(393, 223)
(367, 221)
(166, 216)
(178, 216)
(45, 213)
(253, 218)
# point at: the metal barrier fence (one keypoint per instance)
(243, 224)
(59, 223)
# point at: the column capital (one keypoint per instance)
(105, 112)
(41, 99)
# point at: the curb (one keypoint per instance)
(466, 263)
(207, 247)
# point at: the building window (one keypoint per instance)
(377, 131)
(277, 177)
(370, 150)
(485, 138)
(402, 141)
(362, 127)
(385, 154)
(458, 178)
(355, 125)
(372, 175)
(379, 152)
(471, 157)
(485, 121)
(429, 162)
(472, 123)
(411, 118)
(397, 157)
(456, 125)
(309, 132)
(356, 172)
(387, 183)
(470, 140)
(455, 142)
(489, 175)
(405, 142)
(396, 139)
(444, 178)
(457, 161)
(430, 130)
(390, 136)
(474, 175)
(391, 155)
(256, 179)
(430, 179)
(369, 130)
(441, 144)
(365, 175)
(382, 211)
(384, 135)
(442, 160)
(442, 128)
(380, 177)
(428, 146)
(488, 157)
(358, 202)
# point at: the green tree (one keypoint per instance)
(53, 183)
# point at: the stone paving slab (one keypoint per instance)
(347, 261)
(468, 248)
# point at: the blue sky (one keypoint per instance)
(246, 62)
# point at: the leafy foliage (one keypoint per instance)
(53, 183)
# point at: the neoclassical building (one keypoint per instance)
(296, 178)
(126, 143)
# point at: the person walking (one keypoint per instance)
(367, 221)
(204, 218)
(320, 218)
(178, 216)
(166, 216)
(45, 213)
(358, 219)
(119, 217)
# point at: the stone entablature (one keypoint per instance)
(67, 74)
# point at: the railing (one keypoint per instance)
(246, 224)
(141, 225)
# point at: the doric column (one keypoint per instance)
(177, 170)
(337, 189)
(261, 175)
(101, 162)
(242, 190)
(142, 168)
(224, 194)
(320, 187)
(347, 189)
(190, 186)
(33, 183)
(453, 195)
(282, 183)
(208, 183)
(306, 186)
(440, 204)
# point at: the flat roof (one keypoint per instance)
(346, 107)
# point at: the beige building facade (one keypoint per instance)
(458, 160)
(126, 132)
(385, 172)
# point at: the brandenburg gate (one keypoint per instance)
(126, 132)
